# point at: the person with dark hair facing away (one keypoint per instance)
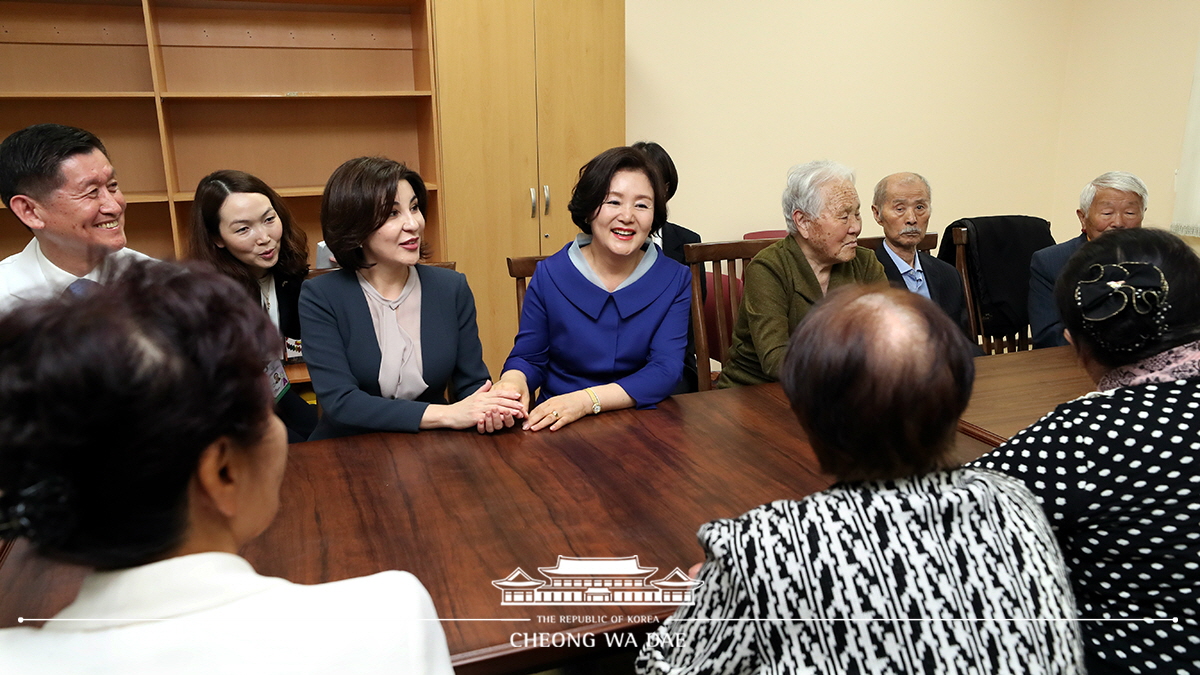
(137, 438)
(58, 182)
(244, 229)
(672, 238)
(908, 563)
(1116, 470)
(384, 337)
(604, 325)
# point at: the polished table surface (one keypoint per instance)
(1015, 390)
(461, 510)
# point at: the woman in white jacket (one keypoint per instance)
(137, 437)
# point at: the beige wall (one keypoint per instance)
(1006, 106)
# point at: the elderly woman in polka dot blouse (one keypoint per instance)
(1116, 470)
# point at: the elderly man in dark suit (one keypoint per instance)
(1113, 201)
(901, 206)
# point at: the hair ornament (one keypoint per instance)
(1115, 288)
(38, 509)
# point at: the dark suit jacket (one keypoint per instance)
(343, 354)
(1044, 268)
(287, 294)
(674, 237)
(945, 285)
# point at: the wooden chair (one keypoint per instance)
(728, 259)
(521, 269)
(991, 344)
(765, 234)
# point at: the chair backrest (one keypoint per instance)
(521, 269)
(992, 255)
(765, 234)
(928, 243)
(446, 264)
(724, 294)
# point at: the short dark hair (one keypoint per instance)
(1129, 336)
(211, 193)
(30, 159)
(878, 378)
(666, 167)
(596, 176)
(358, 200)
(107, 401)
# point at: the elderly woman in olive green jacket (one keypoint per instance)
(788, 277)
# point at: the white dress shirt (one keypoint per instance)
(29, 275)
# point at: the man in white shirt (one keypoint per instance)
(58, 182)
(902, 207)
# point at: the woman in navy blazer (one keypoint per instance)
(373, 220)
(604, 324)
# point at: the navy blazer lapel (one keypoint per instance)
(358, 331)
(439, 318)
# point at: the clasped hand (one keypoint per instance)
(559, 411)
(490, 408)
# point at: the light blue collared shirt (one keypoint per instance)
(913, 275)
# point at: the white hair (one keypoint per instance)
(1113, 180)
(803, 191)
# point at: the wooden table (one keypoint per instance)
(461, 510)
(1015, 390)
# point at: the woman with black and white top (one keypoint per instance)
(908, 563)
(1117, 471)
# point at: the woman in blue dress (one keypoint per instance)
(604, 325)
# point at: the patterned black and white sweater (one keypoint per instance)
(952, 572)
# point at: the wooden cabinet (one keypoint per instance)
(177, 89)
(529, 91)
(526, 92)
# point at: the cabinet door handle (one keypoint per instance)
(546, 196)
(533, 202)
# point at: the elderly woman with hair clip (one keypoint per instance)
(137, 438)
(1116, 470)
(787, 278)
(385, 337)
(243, 228)
(604, 325)
(909, 563)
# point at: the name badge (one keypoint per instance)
(278, 378)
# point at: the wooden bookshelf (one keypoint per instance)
(178, 89)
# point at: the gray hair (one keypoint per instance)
(881, 186)
(1114, 180)
(803, 191)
